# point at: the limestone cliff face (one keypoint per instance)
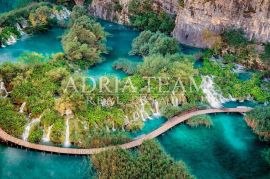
(109, 10)
(196, 16)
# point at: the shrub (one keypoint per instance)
(126, 65)
(35, 135)
(85, 42)
(144, 17)
(201, 120)
(148, 43)
(259, 120)
(149, 161)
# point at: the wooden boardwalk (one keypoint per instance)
(165, 127)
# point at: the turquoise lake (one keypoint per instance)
(227, 150)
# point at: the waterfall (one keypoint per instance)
(214, 98)
(107, 128)
(20, 29)
(67, 142)
(46, 137)
(113, 129)
(156, 105)
(28, 128)
(3, 89)
(238, 69)
(11, 40)
(22, 107)
(175, 100)
(143, 113)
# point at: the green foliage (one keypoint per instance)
(259, 120)
(266, 155)
(58, 132)
(6, 33)
(40, 18)
(77, 12)
(10, 121)
(201, 120)
(170, 111)
(97, 139)
(229, 83)
(148, 43)
(266, 55)
(144, 16)
(235, 38)
(35, 135)
(150, 161)
(126, 65)
(85, 41)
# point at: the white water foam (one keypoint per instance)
(213, 96)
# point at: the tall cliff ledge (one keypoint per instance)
(196, 16)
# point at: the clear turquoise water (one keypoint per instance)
(19, 163)
(45, 43)
(119, 43)
(228, 150)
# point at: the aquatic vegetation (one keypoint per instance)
(97, 139)
(149, 43)
(126, 65)
(259, 120)
(149, 161)
(202, 120)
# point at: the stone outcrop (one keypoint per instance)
(197, 16)
(109, 10)
(194, 17)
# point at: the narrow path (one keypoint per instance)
(165, 127)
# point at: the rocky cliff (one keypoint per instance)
(117, 10)
(196, 16)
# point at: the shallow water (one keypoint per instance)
(20, 163)
(45, 43)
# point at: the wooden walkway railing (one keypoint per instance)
(165, 127)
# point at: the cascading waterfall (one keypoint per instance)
(67, 142)
(238, 68)
(156, 105)
(175, 100)
(28, 128)
(113, 129)
(143, 113)
(11, 40)
(22, 107)
(3, 89)
(108, 129)
(214, 98)
(20, 29)
(46, 137)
